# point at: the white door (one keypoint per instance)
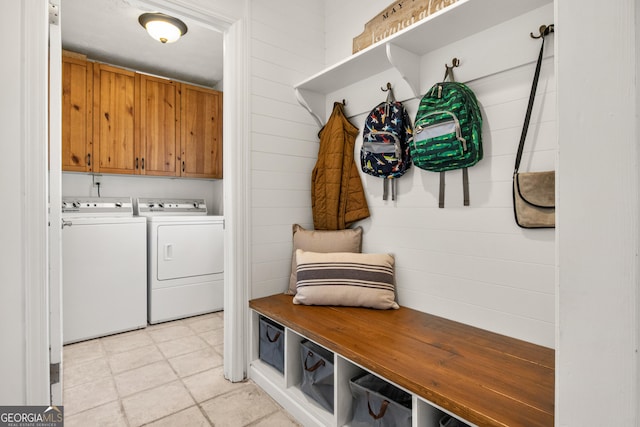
(55, 200)
(190, 250)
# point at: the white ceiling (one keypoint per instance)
(108, 31)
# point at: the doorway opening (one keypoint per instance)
(234, 185)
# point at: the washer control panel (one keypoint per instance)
(97, 206)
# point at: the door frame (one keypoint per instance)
(236, 188)
(33, 41)
(55, 201)
(35, 38)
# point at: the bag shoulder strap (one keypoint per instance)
(532, 96)
(465, 172)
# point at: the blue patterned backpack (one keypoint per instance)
(385, 143)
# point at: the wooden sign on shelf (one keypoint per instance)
(397, 16)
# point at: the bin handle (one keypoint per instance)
(383, 409)
(274, 339)
(314, 367)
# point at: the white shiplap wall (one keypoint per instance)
(287, 45)
(345, 20)
(471, 264)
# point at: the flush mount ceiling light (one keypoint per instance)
(164, 28)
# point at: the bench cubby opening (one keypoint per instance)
(296, 374)
(275, 376)
(285, 387)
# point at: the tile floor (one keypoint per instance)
(165, 375)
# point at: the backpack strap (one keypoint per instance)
(465, 188)
(465, 185)
(465, 171)
(385, 188)
(441, 195)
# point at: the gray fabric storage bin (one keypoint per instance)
(317, 373)
(378, 403)
(449, 421)
(271, 344)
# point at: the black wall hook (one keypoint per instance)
(449, 69)
(544, 30)
(390, 96)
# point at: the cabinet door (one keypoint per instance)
(77, 79)
(114, 121)
(159, 126)
(201, 124)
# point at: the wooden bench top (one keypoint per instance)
(483, 377)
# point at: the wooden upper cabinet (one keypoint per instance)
(118, 121)
(159, 126)
(77, 86)
(114, 121)
(201, 132)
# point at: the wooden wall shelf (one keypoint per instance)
(404, 49)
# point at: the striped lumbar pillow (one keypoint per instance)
(343, 278)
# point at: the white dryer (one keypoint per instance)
(185, 251)
(104, 268)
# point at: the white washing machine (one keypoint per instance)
(185, 252)
(104, 268)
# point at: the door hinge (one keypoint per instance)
(54, 373)
(54, 14)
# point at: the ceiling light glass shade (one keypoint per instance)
(164, 28)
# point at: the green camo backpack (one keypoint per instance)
(448, 132)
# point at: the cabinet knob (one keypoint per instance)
(89, 159)
(136, 163)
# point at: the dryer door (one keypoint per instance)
(190, 250)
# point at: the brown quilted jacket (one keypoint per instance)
(337, 196)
